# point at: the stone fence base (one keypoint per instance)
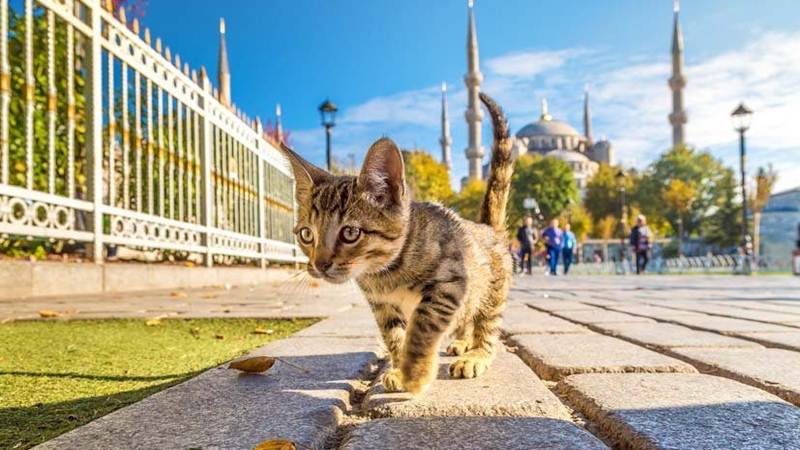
(23, 279)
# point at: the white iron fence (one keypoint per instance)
(107, 139)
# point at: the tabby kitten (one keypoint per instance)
(426, 272)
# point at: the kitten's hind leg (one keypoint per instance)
(462, 342)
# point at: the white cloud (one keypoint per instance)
(630, 103)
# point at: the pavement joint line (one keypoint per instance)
(578, 418)
(701, 366)
(722, 315)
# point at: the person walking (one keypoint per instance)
(570, 244)
(527, 237)
(553, 240)
(640, 243)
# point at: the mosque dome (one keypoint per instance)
(568, 156)
(547, 128)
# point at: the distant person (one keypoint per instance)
(527, 237)
(640, 243)
(554, 241)
(570, 244)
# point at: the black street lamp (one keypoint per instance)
(620, 177)
(327, 112)
(741, 117)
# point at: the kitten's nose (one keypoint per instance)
(322, 264)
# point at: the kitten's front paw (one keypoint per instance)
(392, 380)
(469, 366)
(457, 347)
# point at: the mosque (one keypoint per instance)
(548, 136)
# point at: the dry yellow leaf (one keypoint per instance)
(177, 294)
(255, 364)
(276, 444)
(263, 331)
(153, 322)
(314, 284)
(47, 314)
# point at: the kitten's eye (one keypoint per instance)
(306, 236)
(349, 234)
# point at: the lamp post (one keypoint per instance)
(327, 112)
(741, 117)
(620, 177)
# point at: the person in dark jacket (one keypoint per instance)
(527, 237)
(640, 243)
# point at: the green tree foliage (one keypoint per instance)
(468, 201)
(580, 221)
(705, 174)
(428, 180)
(724, 226)
(548, 180)
(602, 196)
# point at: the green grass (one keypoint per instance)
(58, 375)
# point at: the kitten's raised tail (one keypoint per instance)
(498, 185)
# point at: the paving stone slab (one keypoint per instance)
(789, 340)
(778, 317)
(684, 411)
(560, 305)
(771, 369)
(470, 433)
(602, 316)
(508, 388)
(667, 335)
(357, 322)
(556, 356)
(728, 325)
(657, 312)
(223, 408)
(524, 320)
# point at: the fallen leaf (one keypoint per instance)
(263, 331)
(189, 264)
(153, 322)
(195, 331)
(226, 310)
(314, 284)
(219, 336)
(177, 294)
(276, 444)
(256, 364)
(47, 314)
(209, 296)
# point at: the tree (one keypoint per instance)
(724, 226)
(679, 197)
(698, 169)
(468, 201)
(602, 191)
(604, 229)
(548, 180)
(765, 181)
(579, 220)
(428, 180)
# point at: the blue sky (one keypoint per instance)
(382, 61)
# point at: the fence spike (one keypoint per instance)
(168, 54)
(109, 4)
(122, 16)
(186, 69)
(135, 26)
(194, 75)
(178, 61)
(158, 45)
(147, 36)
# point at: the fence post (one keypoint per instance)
(208, 161)
(96, 131)
(261, 213)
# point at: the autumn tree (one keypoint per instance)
(602, 196)
(428, 180)
(679, 197)
(468, 201)
(765, 181)
(548, 180)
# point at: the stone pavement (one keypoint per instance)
(653, 362)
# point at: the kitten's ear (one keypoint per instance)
(306, 175)
(382, 176)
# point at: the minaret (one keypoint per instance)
(587, 118)
(445, 140)
(278, 125)
(545, 114)
(223, 71)
(677, 82)
(474, 115)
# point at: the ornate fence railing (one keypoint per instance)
(107, 139)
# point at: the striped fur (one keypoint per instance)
(426, 272)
